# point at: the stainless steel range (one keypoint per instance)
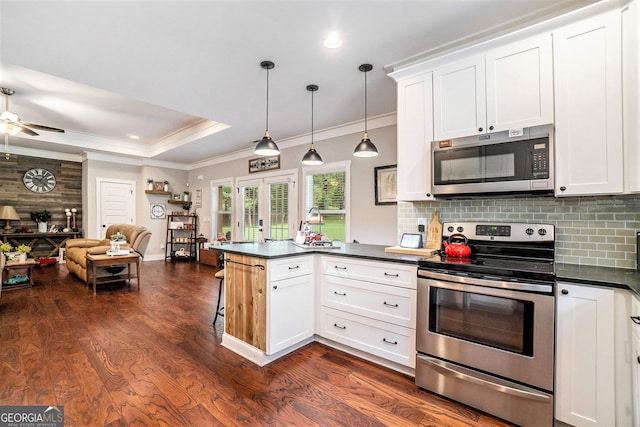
(485, 334)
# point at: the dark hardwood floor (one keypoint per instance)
(153, 358)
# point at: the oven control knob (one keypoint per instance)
(450, 229)
(529, 231)
(542, 232)
(460, 229)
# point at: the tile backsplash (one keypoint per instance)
(598, 231)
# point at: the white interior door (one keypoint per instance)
(266, 207)
(116, 203)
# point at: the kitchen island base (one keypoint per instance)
(256, 355)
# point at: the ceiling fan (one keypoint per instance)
(10, 123)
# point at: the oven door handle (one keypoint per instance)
(483, 282)
(449, 370)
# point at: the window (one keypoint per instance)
(326, 188)
(221, 208)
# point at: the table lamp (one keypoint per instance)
(8, 213)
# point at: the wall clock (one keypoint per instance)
(158, 211)
(39, 180)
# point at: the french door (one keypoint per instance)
(267, 207)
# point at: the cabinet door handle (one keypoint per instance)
(490, 127)
(275, 286)
(390, 305)
(339, 327)
(563, 188)
(635, 319)
(564, 292)
(389, 342)
(341, 294)
(480, 129)
(391, 275)
(293, 268)
(339, 268)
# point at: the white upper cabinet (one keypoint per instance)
(631, 89)
(459, 106)
(415, 133)
(520, 85)
(588, 103)
(506, 88)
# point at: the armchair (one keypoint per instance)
(137, 240)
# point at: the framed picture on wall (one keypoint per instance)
(264, 163)
(385, 184)
(158, 186)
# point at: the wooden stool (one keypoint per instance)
(219, 275)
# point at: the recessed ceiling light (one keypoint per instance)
(333, 40)
(131, 136)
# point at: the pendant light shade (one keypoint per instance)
(312, 158)
(266, 146)
(365, 148)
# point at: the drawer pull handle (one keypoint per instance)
(340, 293)
(339, 268)
(635, 319)
(293, 268)
(392, 275)
(390, 305)
(390, 342)
(339, 327)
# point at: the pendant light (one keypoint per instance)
(266, 146)
(312, 158)
(365, 148)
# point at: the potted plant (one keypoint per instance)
(150, 184)
(23, 250)
(41, 217)
(5, 249)
(166, 185)
(186, 206)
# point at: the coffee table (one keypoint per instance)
(95, 261)
(18, 265)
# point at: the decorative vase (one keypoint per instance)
(42, 227)
(150, 186)
(166, 187)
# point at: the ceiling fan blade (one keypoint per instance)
(26, 130)
(42, 127)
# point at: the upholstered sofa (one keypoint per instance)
(137, 238)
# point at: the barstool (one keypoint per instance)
(219, 275)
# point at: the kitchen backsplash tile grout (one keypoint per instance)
(599, 231)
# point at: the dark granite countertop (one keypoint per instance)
(584, 274)
(599, 276)
(274, 250)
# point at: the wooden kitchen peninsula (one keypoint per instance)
(279, 297)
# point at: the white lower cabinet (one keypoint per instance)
(291, 302)
(635, 359)
(370, 306)
(585, 364)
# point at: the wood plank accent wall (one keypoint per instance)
(245, 311)
(66, 194)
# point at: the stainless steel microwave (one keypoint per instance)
(514, 161)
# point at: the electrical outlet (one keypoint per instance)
(422, 221)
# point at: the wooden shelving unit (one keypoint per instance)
(182, 238)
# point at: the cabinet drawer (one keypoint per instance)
(382, 339)
(391, 304)
(290, 267)
(386, 273)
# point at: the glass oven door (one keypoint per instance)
(503, 332)
(493, 321)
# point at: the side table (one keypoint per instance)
(95, 261)
(11, 266)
